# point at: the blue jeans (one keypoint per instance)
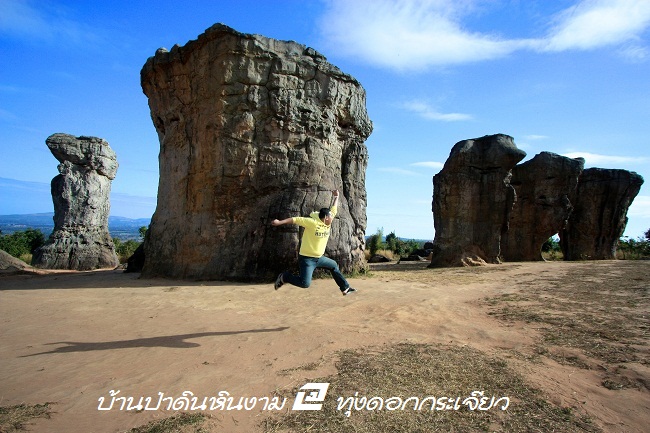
(306, 266)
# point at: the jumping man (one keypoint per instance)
(314, 240)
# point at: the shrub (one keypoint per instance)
(634, 249)
(392, 242)
(400, 247)
(551, 244)
(22, 243)
(375, 243)
(393, 245)
(125, 249)
(386, 253)
(143, 232)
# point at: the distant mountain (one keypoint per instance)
(119, 227)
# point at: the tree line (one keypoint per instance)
(22, 244)
(391, 243)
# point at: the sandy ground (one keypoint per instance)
(70, 338)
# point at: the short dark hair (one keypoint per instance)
(323, 213)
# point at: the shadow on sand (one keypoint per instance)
(102, 279)
(170, 341)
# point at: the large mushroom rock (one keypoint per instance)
(472, 200)
(599, 216)
(251, 129)
(81, 196)
(545, 186)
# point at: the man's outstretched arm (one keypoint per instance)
(335, 194)
(276, 222)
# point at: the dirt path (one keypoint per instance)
(70, 338)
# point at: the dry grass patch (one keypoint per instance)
(412, 370)
(589, 320)
(180, 423)
(16, 418)
(418, 272)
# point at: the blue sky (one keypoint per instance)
(564, 76)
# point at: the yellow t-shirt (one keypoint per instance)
(314, 239)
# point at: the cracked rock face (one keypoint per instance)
(546, 187)
(80, 240)
(472, 201)
(251, 129)
(599, 216)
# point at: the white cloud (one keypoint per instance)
(635, 53)
(42, 22)
(596, 159)
(597, 23)
(429, 113)
(400, 171)
(429, 164)
(640, 207)
(525, 144)
(534, 137)
(408, 34)
(418, 34)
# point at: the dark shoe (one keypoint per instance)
(348, 291)
(278, 282)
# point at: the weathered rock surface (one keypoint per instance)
(135, 263)
(10, 265)
(413, 258)
(599, 216)
(80, 240)
(545, 186)
(378, 258)
(251, 129)
(472, 200)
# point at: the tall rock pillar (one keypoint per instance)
(472, 201)
(81, 195)
(546, 186)
(251, 129)
(599, 216)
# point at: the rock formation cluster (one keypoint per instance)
(80, 240)
(251, 129)
(487, 208)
